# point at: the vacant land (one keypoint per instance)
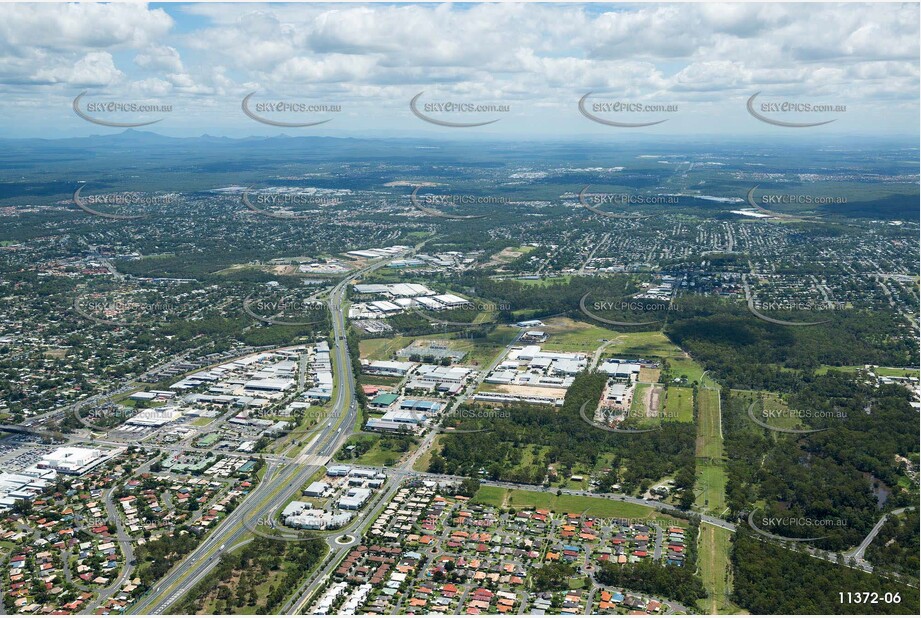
(597, 507)
(711, 474)
(679, 404)
(713, 554)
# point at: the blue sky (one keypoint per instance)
(698, 64)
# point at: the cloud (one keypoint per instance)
(536, 56)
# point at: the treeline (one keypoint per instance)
(832, 477)
(536, 301)
(745, 352)
(672, 582)
(523, 444)
(237, 584)
(769, 579)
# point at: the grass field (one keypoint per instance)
(679, 404)
(422, 464)
(377, 455)
(382, 348)
(657, 345)
(709, 440)
(638, 405)
(598, 507)
(880, 371)
(480, 352)
(711, 474)
(711, 488)
(567, 335)
(713, 555)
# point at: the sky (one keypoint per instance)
(530, 65)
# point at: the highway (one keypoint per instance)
(281, 481)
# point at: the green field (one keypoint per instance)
(711, 474)
(543, 282)
(598, 507)
(657, 345)
(638, 405)
(480, 352)
(880, 371)
(566, 335)
(713, 554)
(422, 464)
(382, 348)
(378, 454)
(679, 404)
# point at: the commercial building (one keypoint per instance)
(72, 459)
(354, 499)
(316, 489)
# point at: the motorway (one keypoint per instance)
(279, 483)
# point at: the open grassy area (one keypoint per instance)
(382, 450)
(880, 371)
(638, 405)
(543, 282)
(711, 488)
(567, 335)
(713, 556)
(709, 440)
(480, 352)
(679, 404)
(598, 507)
(382, 348)
(656, 345)
(422, 464)
(711, 474)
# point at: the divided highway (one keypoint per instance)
(280, 483)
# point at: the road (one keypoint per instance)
(280, 483)
(856, 554)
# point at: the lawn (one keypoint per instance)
(523, 499)
(480, 352)
(656, 345)
(713, 554)
(679, 404)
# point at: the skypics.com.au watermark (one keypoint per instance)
(610, 109)
(130, 111)
(430, 111)
(636, 305)
(262, 111)
(123, 199)
(264, 203)
(445, 317)
(796, 415)
(285, 311)
(772, 112)
(592, 202)
(418, 202)
(124, 311)
(755, 306)
(117, 415)
(797, 522)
